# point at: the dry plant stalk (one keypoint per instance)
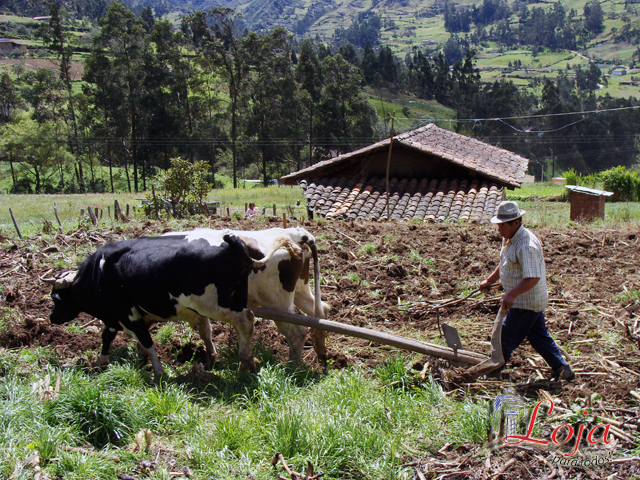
(43, 389)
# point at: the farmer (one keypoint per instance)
(522, 273)
(251, 211)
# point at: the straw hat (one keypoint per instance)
(507, 211)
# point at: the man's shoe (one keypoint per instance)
(564, 373)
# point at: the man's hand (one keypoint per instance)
(508, 299)
(485, 286)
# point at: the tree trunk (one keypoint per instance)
(233, 144)
(93, 177)
(310, 132)
(13, 173)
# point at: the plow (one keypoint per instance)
(477, 364)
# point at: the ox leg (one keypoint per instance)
(108, 334)
(243, 323)
(295, 335)
(204, 329)
(306, 303)
(139, 329)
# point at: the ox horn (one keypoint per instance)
(61, 280)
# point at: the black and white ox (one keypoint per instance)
(283, 282)
(172, 278)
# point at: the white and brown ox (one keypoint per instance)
(128, 283)
(283, 282)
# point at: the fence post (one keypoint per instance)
(92, 215)
(274, 209)
(155, 201)
(15, 224)
(55, 210)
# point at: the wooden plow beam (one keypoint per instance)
(457, 355)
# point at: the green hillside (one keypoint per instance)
(408, 24)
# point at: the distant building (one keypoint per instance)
(42, 18)
(12, 47)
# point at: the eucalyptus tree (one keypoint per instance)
(106, 109)
(42, 91)
(124, 41)
(310, 76)
(346, 119)
(60, 42)
(223, 50)
(9, 99)
(175, 75)
(37, 148)
(274, 100)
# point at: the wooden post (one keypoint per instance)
(82, 212)
(92, 215)
(127, 210)
(284, 220)
(246, 207)
(109, 211)
(228, 212)
(155, 201)
(393, 117)
(117, 213)
(274, 209)
(15, 224)
(55, 210)
(463, 356)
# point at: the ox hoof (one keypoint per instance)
(249, 366)
(159, 377)
(102, 363)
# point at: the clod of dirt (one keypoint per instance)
(396, 271)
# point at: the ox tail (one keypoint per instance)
(316, 282)
(280, 242)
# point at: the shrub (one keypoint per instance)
(184, 185)
(571, 177)
(625, 184)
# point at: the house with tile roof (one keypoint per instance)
(9, 46)
(435, 175)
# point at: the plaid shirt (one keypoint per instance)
(521, 257)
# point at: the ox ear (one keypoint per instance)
(61, 280)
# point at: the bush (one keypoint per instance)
(571, 177)
(184, 185)
(625, 184)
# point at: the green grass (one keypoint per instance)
(532, 191)
(347, 423)
(31, 211)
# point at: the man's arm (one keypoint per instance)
(509, 298)
(491, 279)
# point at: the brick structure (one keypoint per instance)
(587, 203)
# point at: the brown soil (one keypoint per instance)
(397, 289)
(52, 64)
